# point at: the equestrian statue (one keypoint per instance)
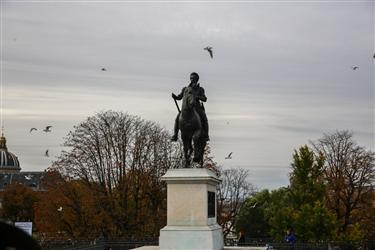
(192, 121)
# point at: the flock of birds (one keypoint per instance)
(210, 52)
(47, 129)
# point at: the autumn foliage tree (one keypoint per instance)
(18, 203)
(350, 174)
(233, 190)
(111, 170)
(69, 208)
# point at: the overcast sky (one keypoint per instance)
(281, 73)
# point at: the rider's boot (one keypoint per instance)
(175, 130)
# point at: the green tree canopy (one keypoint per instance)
(310, 219)
(300, 206)
(251, 218)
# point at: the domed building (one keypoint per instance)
(10, 170)
(8, 162)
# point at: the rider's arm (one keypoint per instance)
(202, 97)
(179, 96)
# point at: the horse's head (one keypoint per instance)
(189, 99)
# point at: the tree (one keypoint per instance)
(47, 218)
(350, 174)
(118, 158)
(251, 218)
(232, 193)
(300, 206)
(311, 219)
(306, 182)
(72, 208)
(278, 212)
(18, 203)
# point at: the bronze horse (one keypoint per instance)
(191, 129)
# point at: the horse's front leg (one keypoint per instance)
(202, 146)
(187, 150)
(197, 151)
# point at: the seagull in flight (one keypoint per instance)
(28, 177)
(253, 206)
(229, 156)
(46, 153)
(32, 129)
(104, 69)
(355, 67)
(59, 209)
(47, 129)
(209, 49)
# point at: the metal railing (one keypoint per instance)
(268, 243)
(99, 244)
(271, 244)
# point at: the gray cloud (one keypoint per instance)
(281, 71)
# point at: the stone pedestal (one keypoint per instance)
(191, 211)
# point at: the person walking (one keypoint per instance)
(290, 238)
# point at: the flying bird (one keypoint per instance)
(47, 129)
(253, 206)
(28, 177)
(59, 209)
(46, 153)
(209, 49)
(229, 156)
(104, 69)
(355, 67)
(373, 56)
(32, 129)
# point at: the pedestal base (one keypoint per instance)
(191, 238)
(191, 211)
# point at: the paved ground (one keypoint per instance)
(225, 248)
